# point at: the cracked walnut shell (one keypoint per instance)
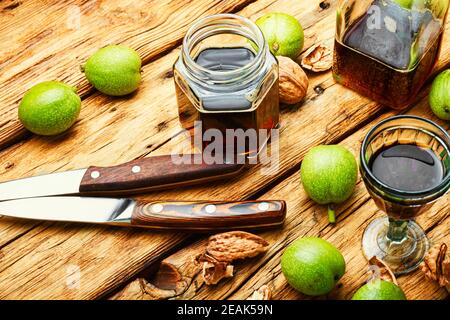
(318, 58)
(293, 81)
(380, 270)
(230, 246)
(263, 293)
(436, 265)
(223, 249)
(213, 270)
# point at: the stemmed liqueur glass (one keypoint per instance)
(398, 239)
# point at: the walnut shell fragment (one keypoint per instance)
(318, 58)
(436, 265)
(213, 270)
(168, 283)
(235, 245)
(381, 271)
(293, 81)
(141, 289)
(263, 293)
(223, 249)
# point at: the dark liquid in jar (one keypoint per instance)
(391, 63)
(225, 59)
(230, 110)
(407, 168)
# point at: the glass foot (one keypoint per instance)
(403, 256)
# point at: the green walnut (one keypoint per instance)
(49, 108)
(440, 95)
(114, 70)
(329, 174)
(283, 33)
(312, 266)
(407, 4)
(379, 290)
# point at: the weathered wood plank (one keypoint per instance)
(13, 230)
(354, 217)
(122, 130)
(308, 219)
(116, 130)
(65, 33)
(60, 252)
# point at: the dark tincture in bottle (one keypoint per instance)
(388, 62)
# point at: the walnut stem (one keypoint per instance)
(331, 214)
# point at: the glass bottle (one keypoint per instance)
(386, 49)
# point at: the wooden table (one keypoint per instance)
(46, 40)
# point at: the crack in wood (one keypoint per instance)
(12, 6)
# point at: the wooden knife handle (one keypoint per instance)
(153, 173)
(209, 216)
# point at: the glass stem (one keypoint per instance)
(397, 230)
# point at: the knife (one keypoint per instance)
(142, 175)
(200, 216)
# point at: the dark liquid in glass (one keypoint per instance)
(407, 168)
(390, 62)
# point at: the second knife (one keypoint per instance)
(201, 216)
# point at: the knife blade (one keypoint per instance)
(147, 174)
(200, 216)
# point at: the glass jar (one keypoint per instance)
(386, 49)
(226, 76)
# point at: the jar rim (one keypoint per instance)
(211, 74)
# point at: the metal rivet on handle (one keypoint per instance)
(210, 208)
(263, 206)
(136, 169)
(95, 174)
(157, 208)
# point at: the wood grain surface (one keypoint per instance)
(63, 34)
(305, 218)
(38, 259)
